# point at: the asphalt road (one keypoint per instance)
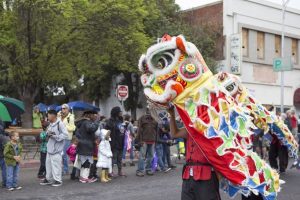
(161, 186)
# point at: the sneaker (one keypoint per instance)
(45, 182)
(83, 180)
(121, 174)
(10, 189)
(167, 170)
(111, 175)
(57, 184)
(132, 164)
(41, 176)
(172, 166)
(150, 173)
(140, 174)
(92, 180)
(18, 188)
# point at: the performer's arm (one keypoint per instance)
(175, 131)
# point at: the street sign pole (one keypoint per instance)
(284, 5)
(122, 94)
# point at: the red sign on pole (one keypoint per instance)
(122, 92)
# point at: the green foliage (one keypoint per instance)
(51, 43)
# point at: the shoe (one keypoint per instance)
(10, 189)
(103, 174)
(140, 174)
(83, 180)
(57, 184)
(106, 176)
(65, 173)
(124, 164)
(150, 173)
(172, 166)
(132, 164)
(45, 182)
(18, 188)
(92, 180)
(41, 176)
(166, 170)
(120, 173)
(111, 175)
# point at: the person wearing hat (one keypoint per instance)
(68, 119)
(86, 128)
(115, 125)
(56, 134)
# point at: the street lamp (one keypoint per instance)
(284, 6)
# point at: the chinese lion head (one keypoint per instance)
(170, 67)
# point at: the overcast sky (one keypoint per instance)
(185, 4)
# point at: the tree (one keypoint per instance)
(36, 45)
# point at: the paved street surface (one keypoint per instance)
(160, 186)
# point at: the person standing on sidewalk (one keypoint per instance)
(200, 180)
(3, 140)
(43, 152)
(117, 129)
(159, 150)
(146, 137)
(56, 133)
(128, 140)
(68, 119)
(86, 129)
(294, 123)
(37, 118)
(13, 156)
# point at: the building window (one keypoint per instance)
(295, 51)
(277, 45)
(245, 41)
(260, 45)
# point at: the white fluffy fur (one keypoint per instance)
(169, 93)
(142, 58)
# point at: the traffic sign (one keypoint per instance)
(122, 92)
(282, 64)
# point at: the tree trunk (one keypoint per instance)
(28, 101)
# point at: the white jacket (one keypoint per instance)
(104, 155)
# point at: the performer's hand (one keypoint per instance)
(171, 109)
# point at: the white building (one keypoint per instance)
(259, 24)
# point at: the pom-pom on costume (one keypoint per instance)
(221, 125)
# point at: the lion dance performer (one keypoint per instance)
(218, 123)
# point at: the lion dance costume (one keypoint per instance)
(218, 113)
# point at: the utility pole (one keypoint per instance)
(284, 6)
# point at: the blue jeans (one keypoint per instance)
(125, 151)
(3, 169)
(166, 155)
(159, 154)
(65, 157)
(12, 173)
(146, 153)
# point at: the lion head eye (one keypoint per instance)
(230, 87)
(163, 60)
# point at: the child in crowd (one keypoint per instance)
(4, 138)
(93, 170)
(105, 156)
(128, 140)
(43, 152)
(71, 152)
(12, 156)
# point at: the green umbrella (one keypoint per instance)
(4, 115)
(10, 108)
